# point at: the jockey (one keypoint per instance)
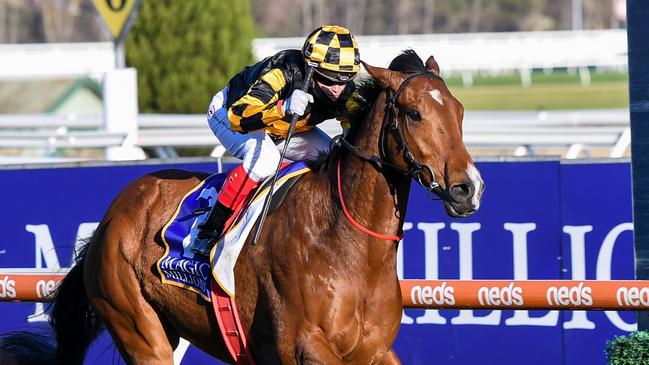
(251, 116)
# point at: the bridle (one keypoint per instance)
(417, 170)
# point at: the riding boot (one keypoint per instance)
(235, 189)
(210, 230)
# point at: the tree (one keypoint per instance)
(185, 51)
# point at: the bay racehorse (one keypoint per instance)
(321, 285)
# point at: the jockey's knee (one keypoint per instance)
(263, 166)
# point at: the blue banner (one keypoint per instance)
(538, 220)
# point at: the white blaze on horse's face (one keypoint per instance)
(476, 179)
(437, 96)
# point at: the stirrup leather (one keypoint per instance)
(203, 246)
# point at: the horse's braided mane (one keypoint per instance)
(367, 90)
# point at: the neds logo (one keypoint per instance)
(576, 295)
(45, 288)
(509, 295)
(633, 296)
(7, 288)
(439, 295)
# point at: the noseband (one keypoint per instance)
(416, 169)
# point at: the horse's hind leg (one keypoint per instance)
(116, 294)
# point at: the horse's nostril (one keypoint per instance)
(461, 192)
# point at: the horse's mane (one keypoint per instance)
(367, 90)
(407, 62)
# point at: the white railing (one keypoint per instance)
(494, 53)
(574, 133)
(486, 51)
(464, 53)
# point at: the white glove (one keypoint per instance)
(297, 102)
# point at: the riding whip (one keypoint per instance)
(291, 130)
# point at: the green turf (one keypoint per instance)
(559, 90)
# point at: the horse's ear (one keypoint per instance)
(431, 65)
(386, 78)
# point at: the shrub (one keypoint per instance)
(632, 349)
(186, 51)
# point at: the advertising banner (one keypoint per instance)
(538, 220)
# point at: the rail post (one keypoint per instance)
(638, 35)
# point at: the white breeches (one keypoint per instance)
(257, 150)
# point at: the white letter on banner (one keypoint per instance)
(519, 239)
(465, 232)
(44, 248)
(431, 253)
(578, 267)
(84, 233)
(179, 352)
(405, 319)
(604, 260)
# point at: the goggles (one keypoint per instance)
(330, 78)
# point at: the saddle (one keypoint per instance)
(213, 278)
(181, 267)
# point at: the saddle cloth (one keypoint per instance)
(179, 266)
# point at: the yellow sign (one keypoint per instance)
(115, 14)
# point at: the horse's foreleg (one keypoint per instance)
(316, 351)
(390, 358)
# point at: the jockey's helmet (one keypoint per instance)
(335, 51)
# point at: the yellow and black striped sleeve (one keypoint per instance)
(352, 106)
(259, 107)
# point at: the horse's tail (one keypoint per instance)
(73, 320)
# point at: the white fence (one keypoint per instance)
(464, 53)
(569, 133)
(470, 53)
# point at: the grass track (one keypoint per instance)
(548, 92)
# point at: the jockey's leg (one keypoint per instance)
(307, 145)
(235, 189)
(259, 156)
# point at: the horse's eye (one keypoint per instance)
(413, 114)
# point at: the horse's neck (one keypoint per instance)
(376, 201)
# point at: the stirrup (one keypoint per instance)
(203, 245)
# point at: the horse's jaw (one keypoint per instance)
(459, 212)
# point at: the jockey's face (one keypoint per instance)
(332, 91)
(332, 85)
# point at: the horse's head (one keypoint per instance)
(423, 132)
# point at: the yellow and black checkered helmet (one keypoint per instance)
(334, 49)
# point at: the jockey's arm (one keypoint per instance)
(261, 105)
(352, 105)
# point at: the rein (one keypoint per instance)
(354, 222)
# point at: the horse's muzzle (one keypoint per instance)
(464, 198)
